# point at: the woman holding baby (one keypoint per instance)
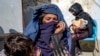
(81, 18)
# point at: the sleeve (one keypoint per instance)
(67, 39)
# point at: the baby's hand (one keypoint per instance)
(60, 27)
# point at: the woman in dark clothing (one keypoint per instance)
(78, 12)
(48, 20)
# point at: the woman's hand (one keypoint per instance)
(60, 27)
(69, 54)
(38, 52)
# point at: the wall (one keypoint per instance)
(90, 6)
(10, 16)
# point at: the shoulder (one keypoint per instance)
(84, 15)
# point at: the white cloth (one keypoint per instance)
(2, 53)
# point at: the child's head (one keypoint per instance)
(81, 23)
(18, 45)
(48, 17)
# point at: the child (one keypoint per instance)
(78, 12)
(17, 44)
(81, 23)
(48, 20)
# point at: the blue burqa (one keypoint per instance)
(32, 28)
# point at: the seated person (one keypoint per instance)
(77, 11)
(18, 45)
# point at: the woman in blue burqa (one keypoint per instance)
(49, 31)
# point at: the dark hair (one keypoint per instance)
(17, 44)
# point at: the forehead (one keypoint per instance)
(50, 15)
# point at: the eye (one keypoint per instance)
(55, 19)
(48, 18)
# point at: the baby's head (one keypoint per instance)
(81, 23)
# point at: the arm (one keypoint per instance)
(66, 36)
(67, 39)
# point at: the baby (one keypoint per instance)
(81, 24)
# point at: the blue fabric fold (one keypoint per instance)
(44, 40)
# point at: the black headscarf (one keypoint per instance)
(79, 13)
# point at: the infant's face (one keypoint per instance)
(49, 17)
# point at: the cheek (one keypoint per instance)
(45, 21)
